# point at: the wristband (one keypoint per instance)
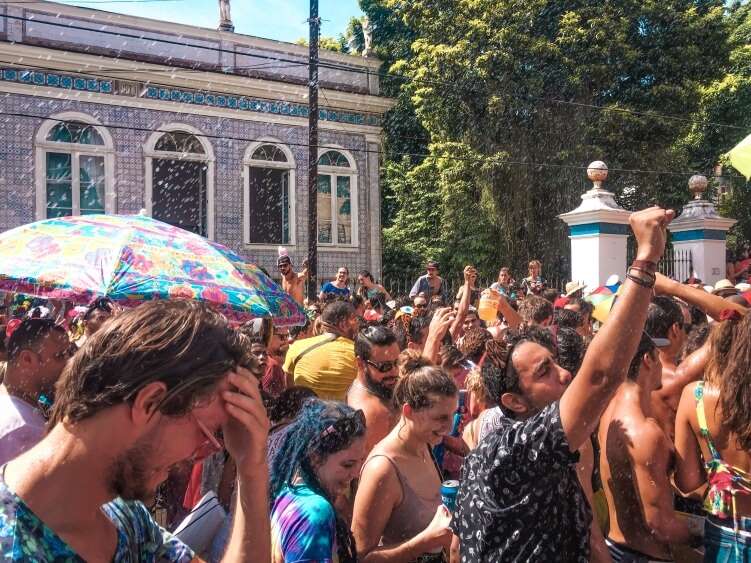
(651, 277)
(640, 281)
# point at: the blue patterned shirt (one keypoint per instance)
(24, 537)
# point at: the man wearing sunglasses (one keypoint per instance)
(153, 388)
(293, 282)
(376, 352)
(37, 352)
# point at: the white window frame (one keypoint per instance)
(42, 146)
(334, 172)
(208, 157)
(291, 167)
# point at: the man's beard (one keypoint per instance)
(129, 473)
(377, 388)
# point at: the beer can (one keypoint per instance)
(449, 490)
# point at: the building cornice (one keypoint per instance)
(103, 17)
(19, 54)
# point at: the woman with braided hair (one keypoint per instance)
(322, 453)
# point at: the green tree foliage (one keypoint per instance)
(487, 82)
(337, 44)
(727, 101)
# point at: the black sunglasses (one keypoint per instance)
(383, 367)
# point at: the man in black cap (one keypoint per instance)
(429, 285)
(293, 282)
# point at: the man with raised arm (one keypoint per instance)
(152, 388)
(293, 282)
(520, 498)
(665, 320)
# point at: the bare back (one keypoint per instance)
(665, 401)
(724, 441)
(622, 432)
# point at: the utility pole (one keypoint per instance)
(315, 30)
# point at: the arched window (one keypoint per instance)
(179, 168)
(269, 206)
(337, 199)
(74, 167)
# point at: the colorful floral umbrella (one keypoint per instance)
(132, 259)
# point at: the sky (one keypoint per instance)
(274, 19)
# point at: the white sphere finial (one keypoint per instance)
(142, 213)
(697, 185)
(597, 171)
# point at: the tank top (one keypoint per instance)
(413, 514)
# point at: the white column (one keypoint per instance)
(598, 230)
(701, 231)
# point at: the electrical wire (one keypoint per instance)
(344, 68)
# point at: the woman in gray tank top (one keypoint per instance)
(398, 512)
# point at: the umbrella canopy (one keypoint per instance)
(740, 157)
(602, 309)
(132, 259)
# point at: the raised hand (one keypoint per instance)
(247, 429)
(649, 227)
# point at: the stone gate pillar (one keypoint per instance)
(702, 231)
(598, 230)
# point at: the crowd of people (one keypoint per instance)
(498, 424)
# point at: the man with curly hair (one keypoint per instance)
(520, 497)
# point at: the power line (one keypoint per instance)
(332, 66)
(486, 159)
(447, 87)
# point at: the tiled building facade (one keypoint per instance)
(219, 146)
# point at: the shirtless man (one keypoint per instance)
(293, 282)
(376, 352)
(665, 321)
(635, 461)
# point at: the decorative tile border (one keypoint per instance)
(195, 97)
(55, 80)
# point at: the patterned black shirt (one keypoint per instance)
(520, 498)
